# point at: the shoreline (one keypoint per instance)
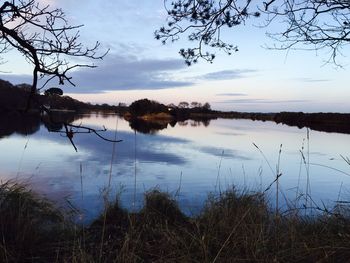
(326, 122)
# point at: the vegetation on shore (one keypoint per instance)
(155, 116)
(15, 98)
(232, 227)
(160, 115)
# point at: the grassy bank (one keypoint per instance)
(233, 227)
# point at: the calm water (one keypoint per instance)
(190, 159)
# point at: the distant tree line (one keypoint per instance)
(146, 106)
(194, 105)
(15, 97)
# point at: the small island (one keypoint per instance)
(148, 113)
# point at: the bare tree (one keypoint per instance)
(45, 38)
(47, 41)
(315, 24)
(321, 24)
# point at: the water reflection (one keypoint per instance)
(27, 123)
(148, 148)
(154, 126)
(223, 153)
(15, 122)
(150, 127)
(187, 156)
(55, 121)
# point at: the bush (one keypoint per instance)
(146, 106)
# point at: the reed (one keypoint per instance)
(233, 226)
(30, 226)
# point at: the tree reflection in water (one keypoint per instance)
(153, 126)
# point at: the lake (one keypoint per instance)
(189, 160)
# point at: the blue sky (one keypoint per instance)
(138, 66)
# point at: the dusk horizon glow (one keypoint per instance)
(254, 79)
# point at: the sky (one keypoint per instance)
(254, 79)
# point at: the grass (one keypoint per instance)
(31, 227)
(232, 227)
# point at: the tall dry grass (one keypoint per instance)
(232, 227)
(31, 228)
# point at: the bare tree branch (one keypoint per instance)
(321, 24)
(71, 129)
(44, 37)
(47, 41)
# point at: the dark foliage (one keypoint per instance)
(147, 127)
(317, 24)
(15, 98)
(159, 206)
(146, 106)
(329, 122)
(233, 227)
(18, 122)
(12, 97)
(30, 227)
(54, 91)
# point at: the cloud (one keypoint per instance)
(232, 94)
(225, 153)
(261, 101)
(129, 73)
(311, 80)
(230, 133)
(227, 74)
(123, 71)
(17, 78)
(118, 72)
(148, 149)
